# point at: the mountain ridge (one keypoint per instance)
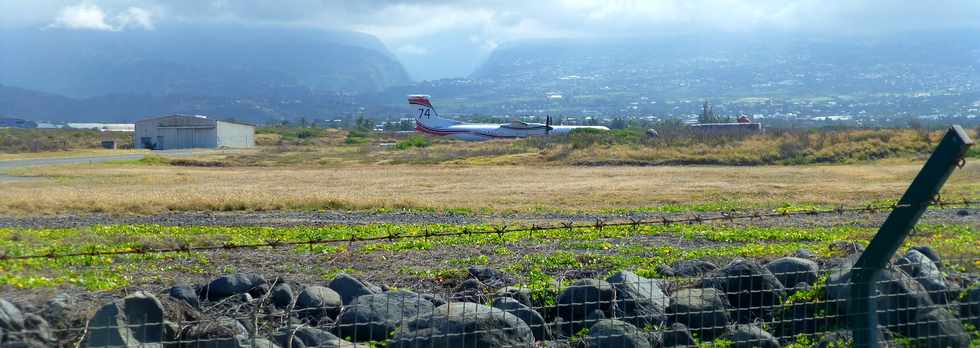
(199, 60)
(926, 74)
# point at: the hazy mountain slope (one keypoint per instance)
(33, 105)
(200, 60)
(38, 106)
(262, 75)
(695, 66)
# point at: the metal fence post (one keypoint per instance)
(891, 235)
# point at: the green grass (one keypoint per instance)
(413, 141)
(148, 160)
(579, 248)
(717, 343)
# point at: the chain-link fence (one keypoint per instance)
(795, 301)
(728, 283)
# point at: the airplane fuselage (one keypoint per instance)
(487, 131)
(428, 121)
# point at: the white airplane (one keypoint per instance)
(428, 121)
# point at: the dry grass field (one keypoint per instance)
(39, 140)
(620, 147)
(141, 189)
(309, 169)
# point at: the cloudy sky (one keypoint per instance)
(444, 38)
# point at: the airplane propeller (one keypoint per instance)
(547, 125)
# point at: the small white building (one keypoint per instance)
(183, 132)
(104, 127)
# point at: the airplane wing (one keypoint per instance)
(522, 125)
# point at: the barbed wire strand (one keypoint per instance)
(500, 230)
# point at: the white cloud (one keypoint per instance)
(505, 20)
(411, 25)
(411, 21)
(412, 50)
(467, 30)
(489, 45)
(81, 16)
(135, 17)
(87, 16)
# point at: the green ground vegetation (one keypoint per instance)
(608, 249)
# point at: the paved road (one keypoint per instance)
(9, 164)
(65, 160)
(958, 216)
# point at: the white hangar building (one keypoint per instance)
(183, 132)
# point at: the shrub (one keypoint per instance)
(414, 140)
(307, 133)
(154, 160)
(583, 138)
(355, 136)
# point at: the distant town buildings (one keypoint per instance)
(104, 127)
(735, 127)
(16, 123)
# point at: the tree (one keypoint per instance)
(707, 114)
(406, 125)
(363, 124)
(618, 123)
